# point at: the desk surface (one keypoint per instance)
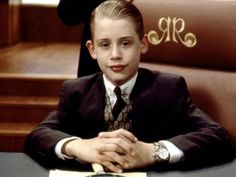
(21, 165)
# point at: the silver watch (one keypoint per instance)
(161, 153)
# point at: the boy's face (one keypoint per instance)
(117, 48)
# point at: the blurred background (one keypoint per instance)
(37, 53)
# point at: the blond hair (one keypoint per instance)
(117, 9)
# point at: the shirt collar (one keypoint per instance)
(126, 88)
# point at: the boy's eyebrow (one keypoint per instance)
(107, 39)
(101, 40)
(126, 37)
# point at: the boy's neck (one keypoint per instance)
(127, 85)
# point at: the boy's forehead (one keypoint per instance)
(114, 26)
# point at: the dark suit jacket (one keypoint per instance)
(73, 12)
(162, 110)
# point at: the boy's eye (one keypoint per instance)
(104, 44)
(126, 43)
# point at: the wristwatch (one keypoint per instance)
(161, 153)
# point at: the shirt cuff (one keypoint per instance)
(59, 146)
(176, 155)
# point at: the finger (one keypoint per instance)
(112, 167)
(120, 133)
(115, 145)
(118, 159)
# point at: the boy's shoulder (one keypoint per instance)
(84, 82)
(158, 75)
(164, 82)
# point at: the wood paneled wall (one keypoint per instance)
(33, 23)
(40, 23)
(9, 21)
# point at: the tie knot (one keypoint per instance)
(117, 91)
(119, 104)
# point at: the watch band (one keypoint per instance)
(161, 148)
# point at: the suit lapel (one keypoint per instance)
(142, 101)
(94, 102)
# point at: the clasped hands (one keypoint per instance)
(117, 151)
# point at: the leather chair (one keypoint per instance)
(196, 39)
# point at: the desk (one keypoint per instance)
(21, 165)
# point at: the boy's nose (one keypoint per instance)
(115, 52)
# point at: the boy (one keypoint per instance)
(157, 123)
(74, 12)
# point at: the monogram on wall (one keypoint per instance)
(172, 29)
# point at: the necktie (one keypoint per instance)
(120, 103)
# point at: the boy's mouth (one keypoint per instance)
(117, 68)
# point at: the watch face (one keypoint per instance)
(163, 153)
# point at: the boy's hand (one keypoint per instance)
(87, 150)
(120, 133)
(116, 150)
(139, 155)
(105, 149)
(142, 156)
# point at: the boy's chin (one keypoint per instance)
(118, 80)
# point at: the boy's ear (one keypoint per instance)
(90, 46)
(144, 44)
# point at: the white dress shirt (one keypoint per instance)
(126, 89)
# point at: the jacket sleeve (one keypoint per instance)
(73, 12)
(40, 143)
(204, 141)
